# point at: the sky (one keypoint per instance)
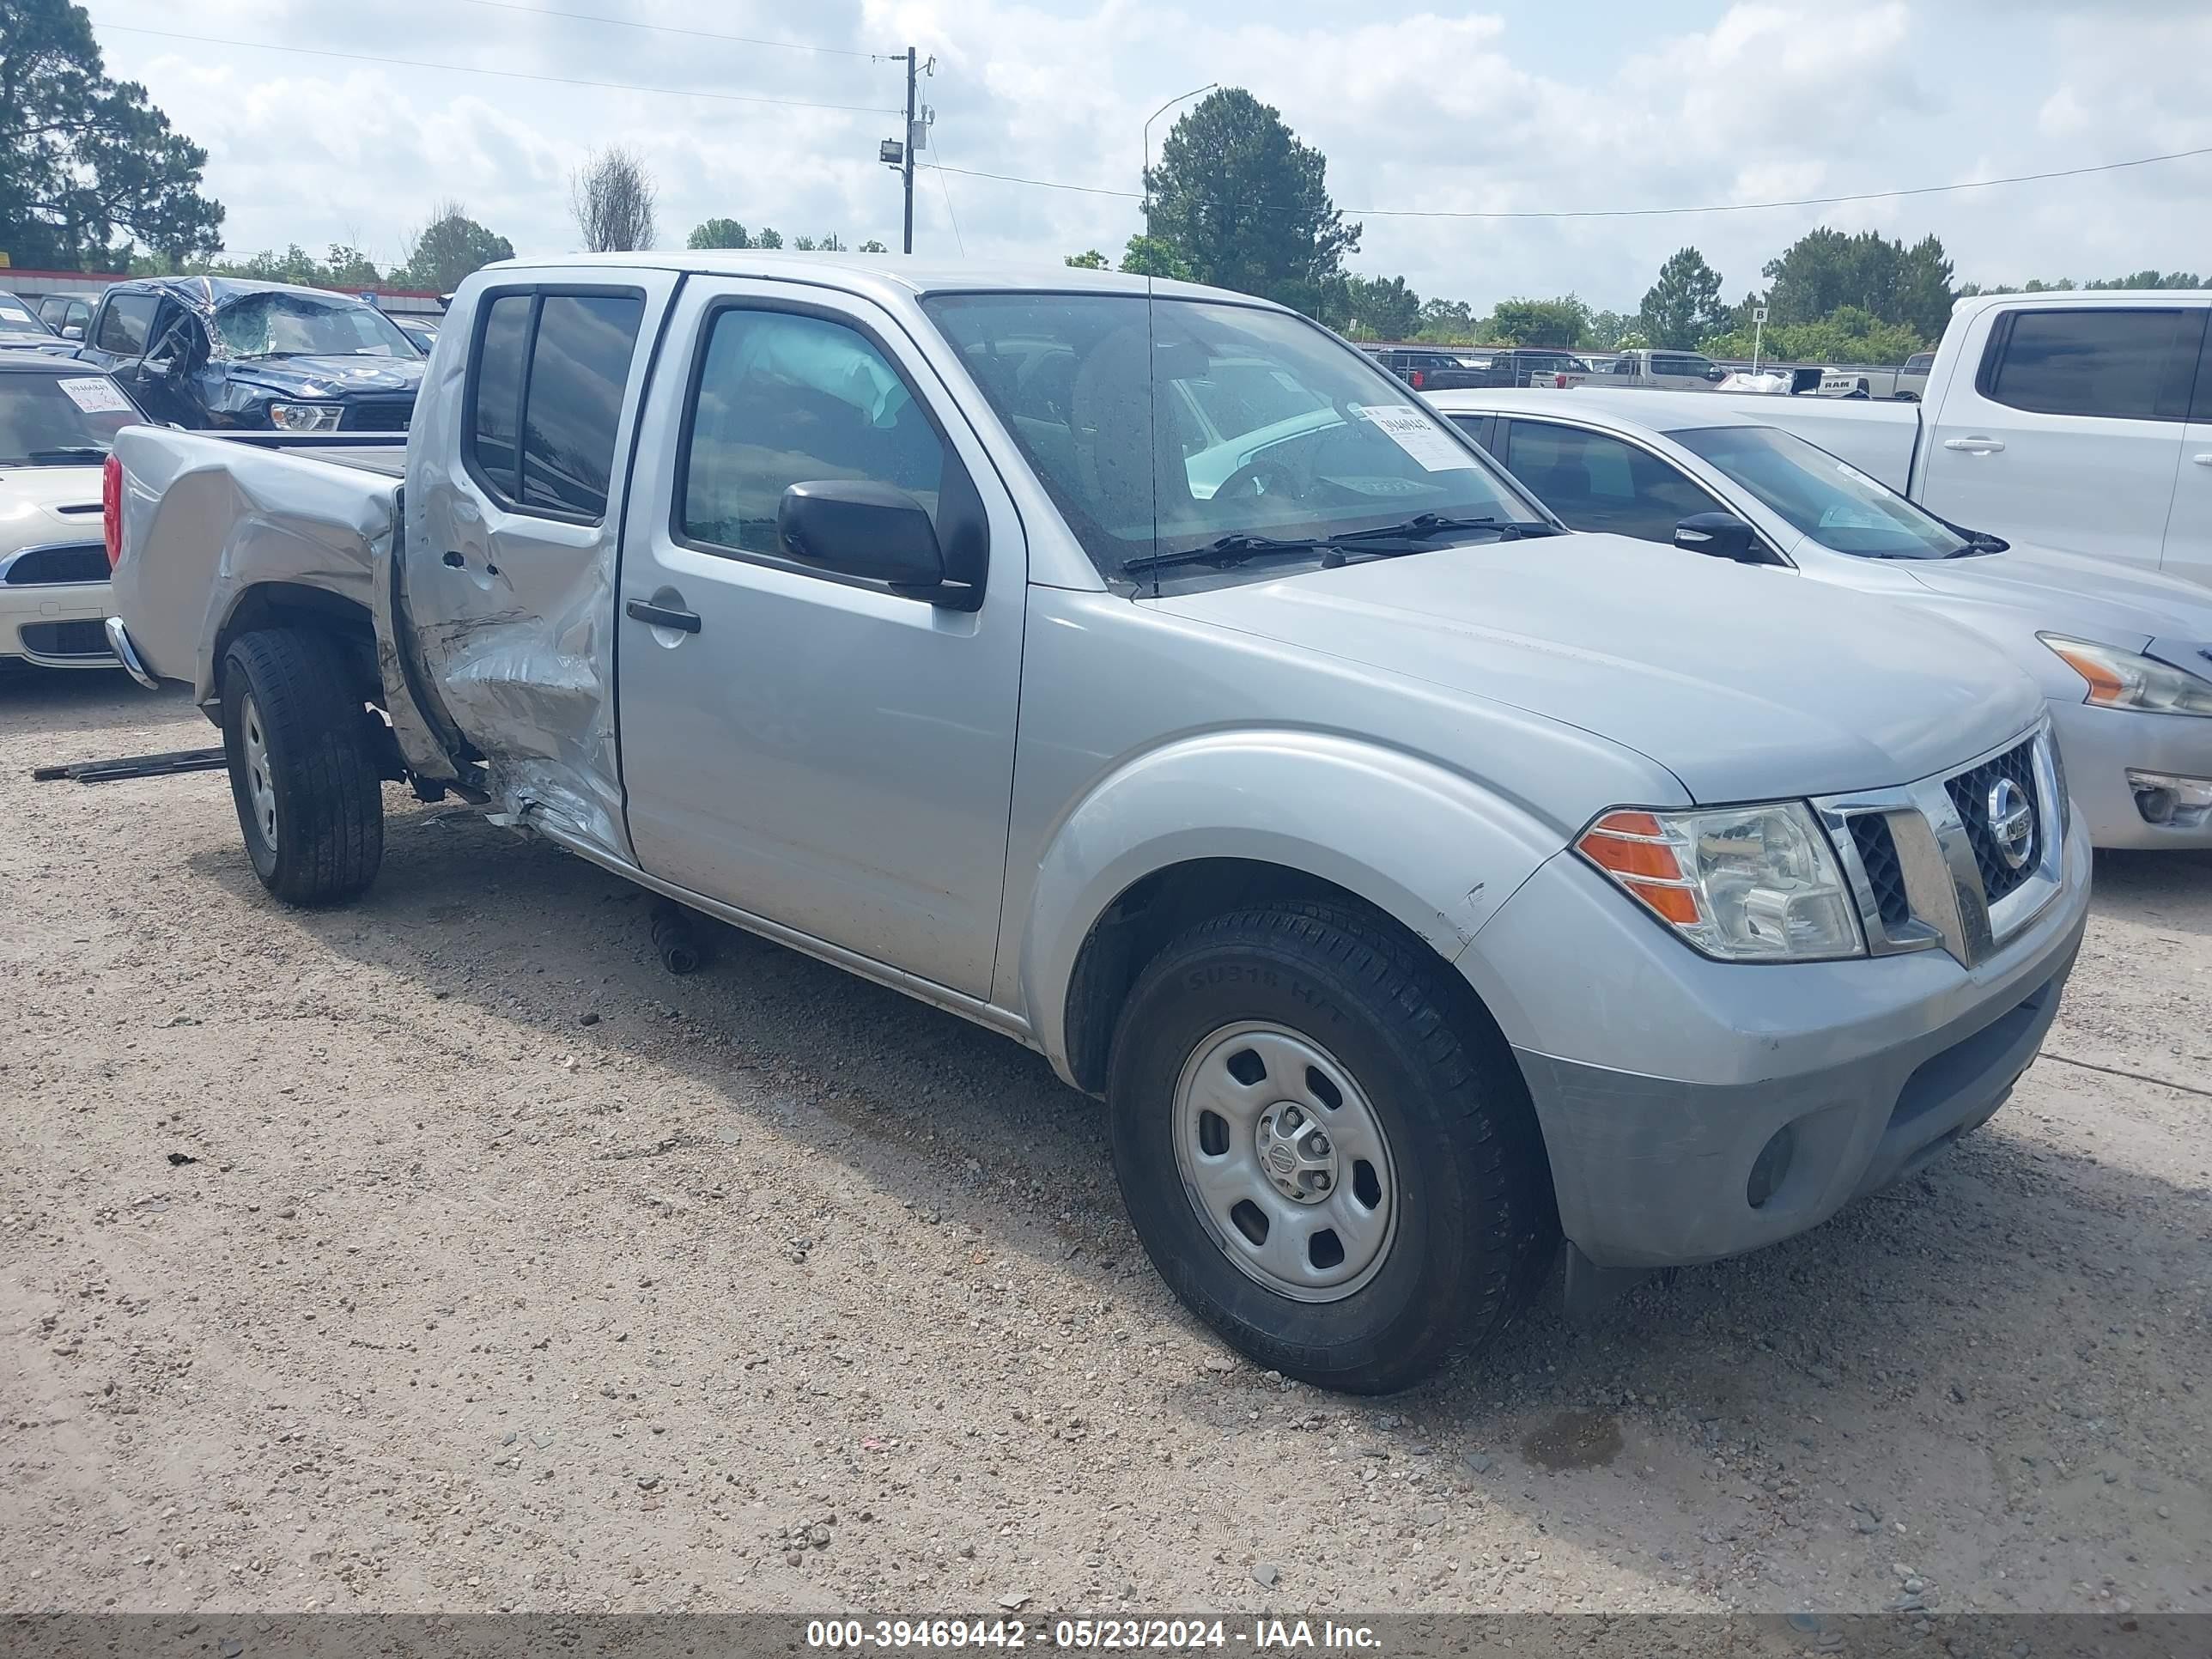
(1583, 105)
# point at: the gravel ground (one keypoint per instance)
(444, 1252)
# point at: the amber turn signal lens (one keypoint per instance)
(1633, 849)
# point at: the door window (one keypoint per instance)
(125, 324)
(2125, 365)
(1597, 482)
(546, 397)
(783, 398)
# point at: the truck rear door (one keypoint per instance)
(2063, 425)
(807, 746)
(513, 514)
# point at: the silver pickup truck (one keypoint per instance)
(1138, 671)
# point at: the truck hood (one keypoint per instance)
(1745, 683)
(2091, 598)
(325, 379)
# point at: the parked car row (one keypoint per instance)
(1430, 889)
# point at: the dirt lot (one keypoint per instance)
(445, 1252)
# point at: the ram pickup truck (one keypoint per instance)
(1409, 877)
(2080, 420)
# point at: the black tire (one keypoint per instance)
(322, 766)
(1474, 1206)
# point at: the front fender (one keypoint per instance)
(1427, 846)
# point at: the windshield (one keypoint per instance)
(1223, 420)
(1829, 500)
(45, 418)
(307, 325)
(17, 318)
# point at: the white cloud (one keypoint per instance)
(1591, 106)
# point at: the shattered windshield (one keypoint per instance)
(307, 325)
(1208, 420)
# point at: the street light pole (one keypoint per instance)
(1162, 109)
(908, 169)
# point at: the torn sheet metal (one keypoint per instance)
(514, 613)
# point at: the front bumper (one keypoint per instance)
(2101, 745)
(56, 625)
(1659, 1082)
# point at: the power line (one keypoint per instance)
(505, 74)
(670, 28)
(1643, 213)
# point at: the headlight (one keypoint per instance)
(2121, 679)
(305, 417)
(1744, 883)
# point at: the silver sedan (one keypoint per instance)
(2125, 656)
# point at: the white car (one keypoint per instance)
(2124, 656)
(57, 419)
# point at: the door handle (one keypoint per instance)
(1975, 446)
(660, 616)
(2201, 460)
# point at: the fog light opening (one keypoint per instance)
(2167, 801)
(1771, 1167)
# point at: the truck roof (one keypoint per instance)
(866, 272)
(1976, 303)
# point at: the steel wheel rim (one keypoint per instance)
(1254, 1102)
(260, 786)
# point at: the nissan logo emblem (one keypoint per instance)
(2012, 822)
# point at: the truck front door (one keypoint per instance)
(811, 748)
(2064, 427)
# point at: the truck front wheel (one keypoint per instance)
(1323, 1157)
(303, 770)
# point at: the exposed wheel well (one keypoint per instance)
(1156, 908)
(347, 627)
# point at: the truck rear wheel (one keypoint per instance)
(1322, 1162)
(303, 770)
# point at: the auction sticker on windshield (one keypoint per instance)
(1423, 438)
(15, 314)
(96, 397)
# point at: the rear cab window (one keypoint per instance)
(548, 371)
(2121, 363)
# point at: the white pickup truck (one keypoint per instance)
(1139, 671)
(2081, 421)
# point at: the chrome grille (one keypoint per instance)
(1928, 865)
(1971, 792)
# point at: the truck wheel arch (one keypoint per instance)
(345, 621)
(1451, 853)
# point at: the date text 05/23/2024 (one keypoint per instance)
(1265, 1634)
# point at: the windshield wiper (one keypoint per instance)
(1223, 551)
(1413, 535)
(62, 457)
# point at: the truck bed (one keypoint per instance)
(206, 515)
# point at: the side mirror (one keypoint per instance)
(857, 528)
(72, 331)
(1723, 535)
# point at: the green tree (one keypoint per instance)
(1606, 328)
(1632, 339)
(718, 232)
(1089, 259)
(1562, 322)
(85, 160)
(1382, 307)
(1849, 334)
(1446, 322)
(1684, 304)
(872, 246)
(1825, 269)
(1245, 205)
(1153, 256)
(768, 237)
(450, 247)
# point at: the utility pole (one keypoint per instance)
(907, 165)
